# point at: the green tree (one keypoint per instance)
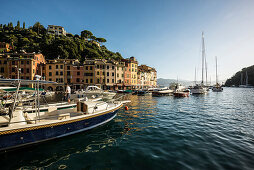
(24, 25)
(37, 27)
(86, 34)
(101, 40)
(18, 25)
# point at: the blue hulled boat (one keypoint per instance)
(19, 127)
(24, 129)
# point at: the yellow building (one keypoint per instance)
(134, 71)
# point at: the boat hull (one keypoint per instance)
(30, 135)
(181, 94)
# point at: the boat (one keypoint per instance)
(246, 85)
(18, 129)
(200, 88)
(162, 92)
(217, 87)
(92, 92)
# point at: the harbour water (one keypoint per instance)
(213, 131)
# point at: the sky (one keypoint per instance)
(165, 34)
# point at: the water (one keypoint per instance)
(213, 131)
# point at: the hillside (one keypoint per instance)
(36, 39)
(236, 79)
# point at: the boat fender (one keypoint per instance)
(126, 108)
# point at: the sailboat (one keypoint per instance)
(246, 85)
(200, 88)
(217, 87)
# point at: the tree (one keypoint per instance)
(86, 34)
(18, 25)
(101, 40)
(37, 27)
(24, 25)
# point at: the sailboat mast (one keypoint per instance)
(246, 78)
(216, 71)
(203, 57)
(195, 76)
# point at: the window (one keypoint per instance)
(117, 75)
(22, 62)
(78, 67)
(61, 66)
(98, 73)
(86, 67)
(112, 80)
(61, 73)
(107, 67)
(113, 74)
(50, 73)
(103, 73)
(77, 80)
(56, 66)
(27, 62)
(103, 67)
(2, 69)
(56, 72)
(12, 69)
(68, 80)
(91, 80)
(91, 67)
(98, 80)
(107, 73)
(68, 67)
(33, 63)
(50, 79)
(27, 78)
(33, 70)
(98, 66)
(27, 70)
(132, 65)
(78, 73)
(86, 80)
(107, 80)
(88, 74)
(50, 67)
(122, 75)
(5, 62)
(13, 62)
(113, 67)
(68, 73)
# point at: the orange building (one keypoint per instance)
(27, 63)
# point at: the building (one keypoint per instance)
(21, 65)
(64, 71)
(130, 75)
(119, 75)
(57, 30)
(28, 64)
(147, 77)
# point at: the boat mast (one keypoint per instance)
(195, 81)
(216, 71)
(246, 78)
(203, 58)
(241, 78)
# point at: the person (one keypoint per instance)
(68, 93)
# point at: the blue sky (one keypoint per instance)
(165, 34)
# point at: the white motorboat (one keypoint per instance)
(92, 92)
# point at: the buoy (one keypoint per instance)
(126, 108)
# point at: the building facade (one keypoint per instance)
(57, 30)
(21, 65)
